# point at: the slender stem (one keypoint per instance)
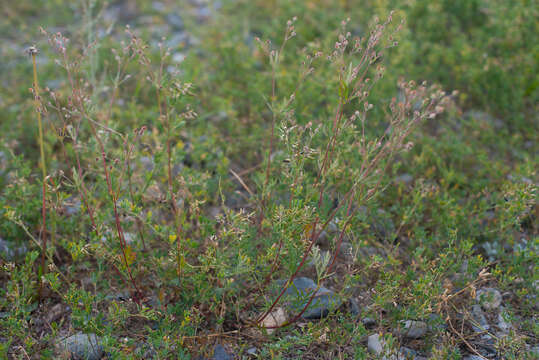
(43, 167)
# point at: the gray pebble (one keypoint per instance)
(489, 298)
(82, 346)
(220, 353)
(480, 321)
(298, 294)
(414, 329)
(374, 344)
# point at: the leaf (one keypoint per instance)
(130, 255)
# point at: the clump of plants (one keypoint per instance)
(178, 204)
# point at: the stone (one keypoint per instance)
(354, 307)
(10, 251)
(436, 323)
(346, 252)
(408, 353)
(175, 20)
(487, 346)
(72, 206)
(55, 313)
(299, 292)
(503, 325)
(405, 179)
(147, 163)
(118, 296)
(252, 351)
(177, 39)
(82, 346)
(489, 298)
(367, 322)
(275, 318)
(375, 344)
(323, 239)
(480, 323)
(220, 353)
(413, 329)
(332, 228)
(159, 6)
(214, 211)
(203, 13)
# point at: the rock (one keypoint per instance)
(203, 13)
(72, 206)
(367, 321)
(354, 307)
(480, 323)
(55, 313)
(408, 353)
(328, 235)
(405, 179)
(436, 323)
(214, 211)
(491, 250)
(502, 324)
(299, 292)
(346, 252)
(220, 353)
(147, 163)
(175, 21)
(82, 346)
(375, 344)
(473, 357)
(159, 6)
(9, 251)
(276, 318)
(378, 346)
(177, 39)
(323, 239)
(332, 228)
(487, 346)
(413, 329)
(489, 298)
(118, 296)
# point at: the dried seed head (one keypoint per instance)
(32, 50)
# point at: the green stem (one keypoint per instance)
(43, 167)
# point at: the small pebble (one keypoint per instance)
(489, 298)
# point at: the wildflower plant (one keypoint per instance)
(332, 157)
(190, 182)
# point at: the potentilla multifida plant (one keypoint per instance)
(86, 123)
(332, 167)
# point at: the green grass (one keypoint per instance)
(446, 210)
